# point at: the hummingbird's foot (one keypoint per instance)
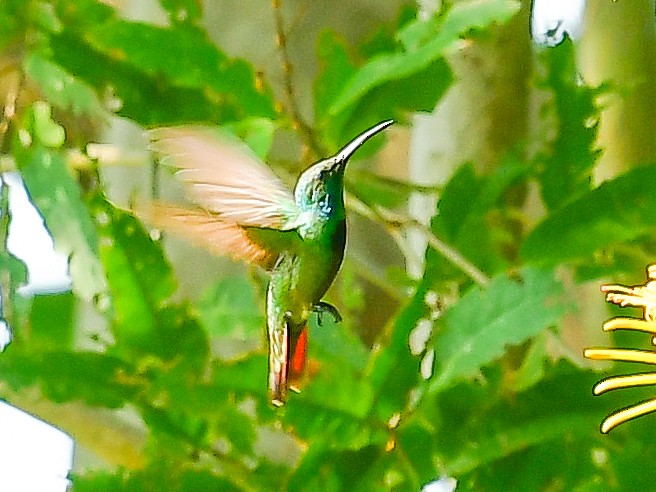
(323, 307)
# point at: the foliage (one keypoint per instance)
(485, 397)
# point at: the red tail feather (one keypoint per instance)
(297, 362)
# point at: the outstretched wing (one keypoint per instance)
(249, 244)
(227, 179)
(246, 211)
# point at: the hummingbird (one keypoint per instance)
(245, 211)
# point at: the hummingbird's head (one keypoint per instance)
(321, 185)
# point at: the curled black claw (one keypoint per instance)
(323, 307)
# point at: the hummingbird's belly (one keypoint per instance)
(300, 279)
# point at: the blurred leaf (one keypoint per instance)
(11, 22)
(378, 190)
(337, 398)
(43, 15)
(183, 10)
(532, 368)
(52, 320)
(382, 102)
(619, 210)
(566, 165)
(139, 278)
(141, 283)
(56, 195)
(351, 394)
(8, 262)
(477, 329)
(517, 438)
(335, 343)
(61, 88)
(133, 94)
(95, 378)
(483, 437)
(460, 19)
(176, 479)
(229, 309)
(180, 340)
(416, 443)
(92, 377)
(13, 274)
(246, 377)
(392, 369)
(323, 469)
(468, 225)
(257, 133)
(335, 70)
(46, 130)
(160, 75)
(385, 37)
(15, 267)
(237, 427)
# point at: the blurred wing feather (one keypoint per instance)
(206, 230)
(227, 179)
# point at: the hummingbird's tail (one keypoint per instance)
(297, 362)
(287, 355)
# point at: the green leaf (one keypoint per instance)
(337, 398)
(350, 394)
(392, 98)
(11, 22)
(387, 192)
(389, 67)
(8, 262)
(161, 75)
(52, 320)
(619, 210)
(15, 267)
(565, 167)
(46, 130)
(335, 70)
(56, 195)
(336, 344)
(477, 330)
(345, 470)
(13, 273)
(141, 282)
(133, 94)
(244, 377)
(180, 340)
(92, 377)
(62, 89)
(230, 313)
(139, 278)
(516, 438)
(532, 369)
(416, 442)
(176, 479)
(479, 226)
(485, 432)
(257, 133)
(392, 370)
(181, 11)
(229, 309)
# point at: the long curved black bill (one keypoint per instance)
(348, 150)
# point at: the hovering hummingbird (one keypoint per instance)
(248, 213)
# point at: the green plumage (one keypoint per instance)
(248, 213)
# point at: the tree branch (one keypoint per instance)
(395, 222)
(288, 70)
